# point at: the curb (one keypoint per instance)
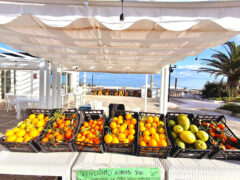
(230, 113)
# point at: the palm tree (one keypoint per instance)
(227, 65)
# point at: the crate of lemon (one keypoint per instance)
(120, 133)
(152, 137)
(89, 136)
(22, 137)
(188, 141)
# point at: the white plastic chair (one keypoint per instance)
(11, 101)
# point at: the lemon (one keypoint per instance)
(40, 116)
(26, 139)
(23, 126)
(34, 121)
(11, 138)
(19, 139)
(29, 127)
(20, 133)
(32, 116)
(9, 133)
(33, 132)
(40, 123)
(40, 129)
(15, 129)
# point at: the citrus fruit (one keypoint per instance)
(131, 131)
(134, 121)
(126, 141)
(128, 116)
(40, 116)
(9, 133)
(32, 116)
(155, 119)
(115, 140)
(121, 129)
(20, 132)
(146, 133)
(121, 136)
(142, 143)
(119, 121)
(113, 125)
(26, 139)
(40, 123)
(152, 130)
(108, 138)
(115, 131)
(33, 132)
(19, 139)
(149, 119)
(153, 143)
(11, 138)
(130, 138)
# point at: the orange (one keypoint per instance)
(67, 123)
(142, 143)
(134, 121)
(32, 116)
(125, 125)
(149, 119)
(119, 121)
(162, 136)
(154, 125)
(161, 130)
(155, 136)
(120, 117)
(160, 123)
(96, 127)
(142, 128)
(148, 125)
(121, 136)
(115, 140)
(130, 138)
(11, 138)
(126, 132)
(61, 126)
(121, 129)
(113, 125)
(41, 116)
(97, 140)
(146, 139)
(84, 133)
(131, 131)
(82, 138)
(34, 121)
(115, 131)
(152, 130)
(40, 129)
(45, 139)
(20, 132)
(155, 119)
(59, 137)
(131, 126)
(48, 136)
(126, 141)
(108, 138)
(115, 119)
(146, 133)
(153, 143)
(141, 123)
(89, 135)
(128, 116)
(162, 143)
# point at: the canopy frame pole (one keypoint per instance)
(146, 92)
(12, 81)
(48, 75)
(41, 85)
(163, 102)
(59, 87)
(5, 83)
(54, 86)
(84, 87)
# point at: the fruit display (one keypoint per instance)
(152, 132)
(28, 129)
(187, 135)
(89, 136)
(226, 143)
(187, 138)
(152, 136)
(121, 133)
(59, 131)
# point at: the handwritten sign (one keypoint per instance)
(141, 173)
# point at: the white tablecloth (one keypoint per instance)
(200, 169)
(38, 164)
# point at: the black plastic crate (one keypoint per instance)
(122, 148)
(160, 152)
(218, 152)
(178, 152)
(87, 115)
(30, 146)
(114, 107)
(59, 146)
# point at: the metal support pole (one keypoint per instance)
(48, 74)
(66, 82)
(84, 87)
(146, 92)
(166, 87)
(59, 87)
(54, 86)
(41, 85)
(161, 91)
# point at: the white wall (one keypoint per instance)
(23, 82)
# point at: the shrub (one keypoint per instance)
(231, 107)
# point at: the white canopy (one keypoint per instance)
(92, 38)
